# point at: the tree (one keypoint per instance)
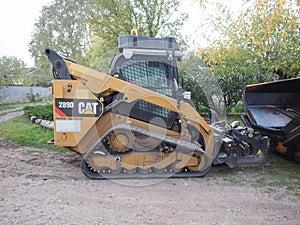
(111, 18)
(11, 68)
(37, 77)
(63, 27)
(262, 44)
(203, 85)
(84, 30)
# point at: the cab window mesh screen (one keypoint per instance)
(145, 111)
(153, 76)
(148, 74)
(153, 109)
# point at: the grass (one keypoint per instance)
(21, 105)
(24, 132)
(234, 117)
(281, 173)
(12, 106)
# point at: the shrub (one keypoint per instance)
(237, 109)
(203, 109)
(40, 111)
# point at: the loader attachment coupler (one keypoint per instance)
(242, 146)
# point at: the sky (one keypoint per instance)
(17, 18)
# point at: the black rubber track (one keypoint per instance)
(97, 176)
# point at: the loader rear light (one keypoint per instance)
(134, 32)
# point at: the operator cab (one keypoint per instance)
(148, 62)
(152, 64)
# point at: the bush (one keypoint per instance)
(40, 111)
(203, 109)
(237, 109)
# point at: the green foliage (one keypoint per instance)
(38, 78)
(13, 72)
(203, 109)
(40, 111)
(24, 132)
(262, 44)
(237, 109)
(271, 37)
(203, 85)
(9, 106)
(14, 106)
(62, 27)
(85, 30)
(11, 69)
(111, 18)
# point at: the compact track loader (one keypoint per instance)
(135, 122)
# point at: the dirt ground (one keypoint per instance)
(9, 114)
(42, 187)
